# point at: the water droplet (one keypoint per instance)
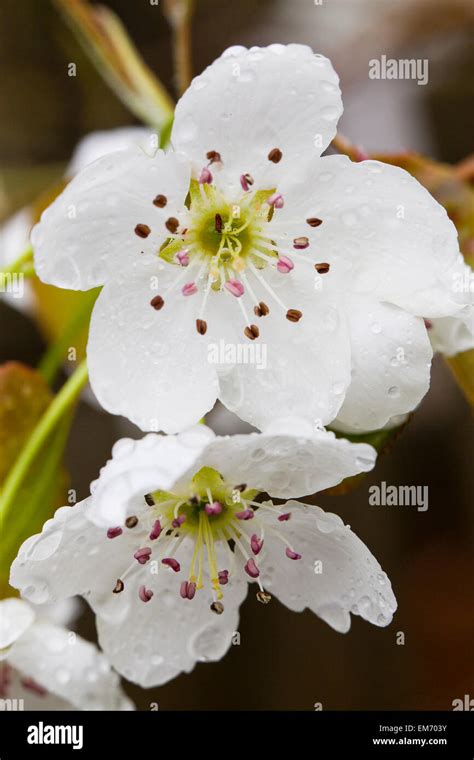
(186, 129)
(394, 391)
(376, 327)
(63, 676)
(200, 83)
(329, 113)
(349, 219)
(207, 643)
(247, 75)
(328, 87)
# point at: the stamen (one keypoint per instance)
(322, 268)
(119, 587)
(261, 310)
(246, 514)
(263, 597)
(251, 568)
(142, 230)
(155, 531)
(178, 521)
(171, 562)
(217, 607)
(187, 589)
(284, 517)
(300, 243)
(285, 265)
(205, 178)
(235, 287)
(189, 289)
(160, 201)
(213, 509)
(142, 555)
(218, 221)
(276, 200)
(256, 544)
(172, 224)
(314, 221)
(242, 487)
(149, 500)
(213, 156)
(183, 257)
(157, 302)
(292, 554)
(202, 308)
(267, 287)
(294, 315)
(114, 532)
(223, 576)
(131, 521)
(201, 326)
(211, 553)
(252, 332)
(145, 594)
(275, 155)
(246, 181)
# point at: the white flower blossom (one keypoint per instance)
(16, 230)
(177, 536)
(243, 232)
(43, 666)
(453, 335)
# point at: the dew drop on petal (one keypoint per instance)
(207, 643)
(63, 676)
(186, 129)
(329, 113)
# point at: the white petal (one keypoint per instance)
(348, 578)
(139, 467)
(100, 143)
(88, 232)
(451, 335)
(16, 617)
(148, 365)
(147, 642)
(305, 368)
(251, 101)
(68, 666)
(391, 360)
(30, 696)
(70, 557)
(398, 239)
(288, 463)
(159, 639)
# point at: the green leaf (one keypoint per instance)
(106, 41)
(24, 397)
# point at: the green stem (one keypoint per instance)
(56, 353)
(17, 265)
(52, 415)
(179, 14)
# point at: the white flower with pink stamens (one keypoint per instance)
(243, 232)
(179, 532)
(50, 668)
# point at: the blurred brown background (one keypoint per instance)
(288, 661)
